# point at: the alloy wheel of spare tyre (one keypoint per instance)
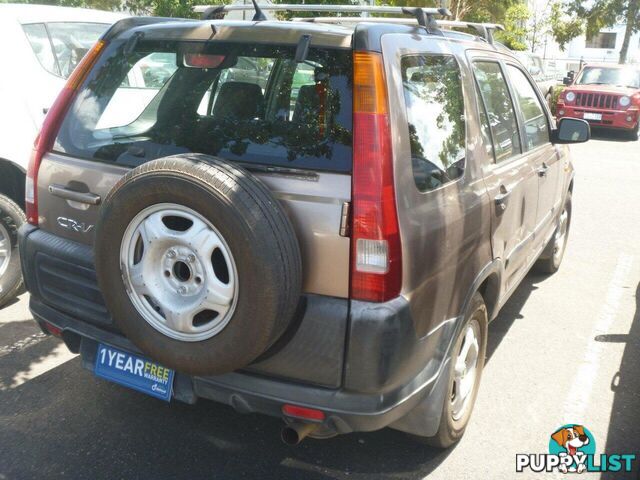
(11, 219)
(198, 263)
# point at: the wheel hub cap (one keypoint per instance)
(5, 249)
(560, 239)
(179, 272)
(465, 371)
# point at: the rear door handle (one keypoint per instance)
(542, 171)
(82, 197)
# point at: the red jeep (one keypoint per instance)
(605, 96)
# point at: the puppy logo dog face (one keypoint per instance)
(571, 438)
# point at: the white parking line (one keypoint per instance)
(582, 386)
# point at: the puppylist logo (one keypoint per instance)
(572, 449)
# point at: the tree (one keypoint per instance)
(514, 35)
(563, 27)
(591, 17)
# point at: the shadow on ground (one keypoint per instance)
(510, 312)
(624, 436)
(67, 423)
(610, 135)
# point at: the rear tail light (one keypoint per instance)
(51, 126)
(376, 257)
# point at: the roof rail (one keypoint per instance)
(484, 30)
(424, 16)
(421, 16)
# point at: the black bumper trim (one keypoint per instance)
(346, 411)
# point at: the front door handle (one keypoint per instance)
(501, 199)
(542, 171)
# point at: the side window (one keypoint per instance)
(485, 129)
(499, 109)
(535, 120)
(435, 113)
(39, 40)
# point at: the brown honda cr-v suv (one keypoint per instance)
(312, 219)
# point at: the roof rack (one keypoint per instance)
(484, 30)
(421, 16)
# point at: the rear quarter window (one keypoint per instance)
(434, 102)
(258, 105)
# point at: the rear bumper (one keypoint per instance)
(623, 120)
(385, 371)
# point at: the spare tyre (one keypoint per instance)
(198, 263)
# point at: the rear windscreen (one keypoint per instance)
(252, 104)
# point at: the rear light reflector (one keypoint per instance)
(53, 330)
(376, 257)
(304, 413)
(50, 127)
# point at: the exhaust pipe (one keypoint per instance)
(294, 433)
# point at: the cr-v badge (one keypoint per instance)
(74, 225)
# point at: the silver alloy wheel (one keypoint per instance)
(465, 370)
(179, 272)
(560, 237)
(5, 249)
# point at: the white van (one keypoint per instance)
(40, 46)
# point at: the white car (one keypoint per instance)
(41, 45)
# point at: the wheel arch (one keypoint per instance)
(12, 179)
(488, 284)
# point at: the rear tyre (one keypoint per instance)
(11, 219)
(198, 263)
(464, 372)
(551, 258)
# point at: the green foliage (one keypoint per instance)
(515, 24)
(557, 90)
(564, 28)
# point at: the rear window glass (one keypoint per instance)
(244, 103)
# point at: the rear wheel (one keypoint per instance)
(11, 219)
(551, 258)
(465, 372)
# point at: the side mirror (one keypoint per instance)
(571, 130)
(535, 71)
(568, 80)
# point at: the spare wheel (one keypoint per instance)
(198, 263)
